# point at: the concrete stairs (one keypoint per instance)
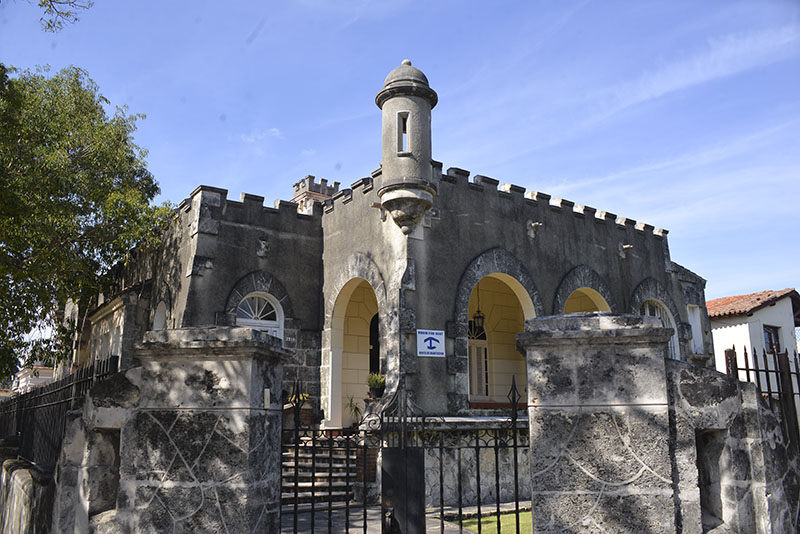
(324, 471)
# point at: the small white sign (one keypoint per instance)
(430, 343)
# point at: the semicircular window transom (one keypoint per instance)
(256, 307)
(260, 311)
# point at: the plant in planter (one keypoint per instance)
(354, 408)
(377, 384)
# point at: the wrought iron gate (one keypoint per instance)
(777, 382)
(402, 472)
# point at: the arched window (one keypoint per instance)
(585, 300)
(654, 308)
(261, 311)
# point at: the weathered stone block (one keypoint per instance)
(202, 450)
(599, 425)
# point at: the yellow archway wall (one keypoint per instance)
(506, 308)
(584, 300)
(361, 307)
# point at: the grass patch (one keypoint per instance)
(508, 523)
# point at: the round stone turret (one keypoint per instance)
(406, 101)
(406, 80)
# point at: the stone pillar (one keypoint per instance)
(201, 452)
(599, 425)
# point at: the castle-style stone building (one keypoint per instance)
(455, 286)
(345, 276)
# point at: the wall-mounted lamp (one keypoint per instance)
(479, 318)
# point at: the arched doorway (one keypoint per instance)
(584, 300)
(497, 310)
(355, 352)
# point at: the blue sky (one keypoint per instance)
(681, 114)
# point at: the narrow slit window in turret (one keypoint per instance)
(403, 144)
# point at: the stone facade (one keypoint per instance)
(624, 440)
(187, 441)
(425, 243)
(423, 270)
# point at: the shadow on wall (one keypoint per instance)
(609, 473)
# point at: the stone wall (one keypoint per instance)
(734, 469)
(26, 501)
(188, 441)
(474, 468)
(599, 420)
(550, 246)
(626, 441)
(220, 249)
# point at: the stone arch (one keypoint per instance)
(258, 281)
(496, 261)
(580, 277)
(499, 263)
(651, 289)
(357, 269)
(357, 265)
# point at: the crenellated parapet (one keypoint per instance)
(308, 192)
(222, 239)
(309, 184)
(345, 196)
(208, 208)
(490, 187)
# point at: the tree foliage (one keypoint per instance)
(75, 197)
(57, 12)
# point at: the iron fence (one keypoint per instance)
(777, 378)
(402, 471)
(38, 418)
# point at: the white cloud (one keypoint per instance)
(689, 160)
(257, 136)
(725, 56)
(722, 57)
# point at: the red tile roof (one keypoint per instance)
(743, 304)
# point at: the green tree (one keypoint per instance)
(75, 198)
(57, 12)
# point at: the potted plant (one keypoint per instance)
(377, 384)
(355, 409)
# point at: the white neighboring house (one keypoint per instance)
(762, 323)
(759, 321)
(29, 378)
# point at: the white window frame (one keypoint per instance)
(695, 321)
(479, 372)
(273, 328)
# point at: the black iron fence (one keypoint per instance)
(403, 472)
(38, 418)
(777, 377)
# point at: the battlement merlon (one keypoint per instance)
(485, 185)
(310, 185)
